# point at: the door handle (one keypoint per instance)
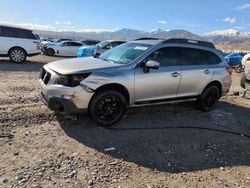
(207, 71)
(175, 74)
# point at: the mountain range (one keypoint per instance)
(224, 39)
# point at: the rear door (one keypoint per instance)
(161, 84)
(196, 70)
(74, 47)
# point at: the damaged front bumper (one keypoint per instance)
(65, 99)
(61, 105)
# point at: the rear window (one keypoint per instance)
(16, 33)
(210, 58)
(191, 56)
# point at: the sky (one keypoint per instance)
(196, 16)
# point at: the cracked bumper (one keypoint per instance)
(65, 99)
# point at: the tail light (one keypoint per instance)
(229, 70)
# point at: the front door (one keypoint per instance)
(158, 84)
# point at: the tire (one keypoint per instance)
(17, 55)
(243, 81)
(107, 107)
(209, 98)
(50, 52)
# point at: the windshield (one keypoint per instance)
(102, 44)
(125, 53)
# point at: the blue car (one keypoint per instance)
(234, 59)
(98, 49)
(86, 51)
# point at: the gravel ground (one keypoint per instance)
(162, 146)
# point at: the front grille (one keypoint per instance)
(45, 76)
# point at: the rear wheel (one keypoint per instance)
(107, 107)
(209, 98)
(17, 55)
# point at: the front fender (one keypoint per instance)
(97, 80)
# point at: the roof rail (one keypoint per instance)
(147, 38)
(190, 41)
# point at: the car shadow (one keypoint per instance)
(171, 138)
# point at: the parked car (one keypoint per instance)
(99, 48)
(66, 48)
(245, 78)
(86, 51)
(234, 60)
(137, 73)
(17, 43)
(54, 41)
(90, 42)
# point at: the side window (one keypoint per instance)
(17, 33)
(213, 58)
(113, 44)
(108, 46)
(165, 56)
(0, 31)
(190, 56)
(66, 44)
(8, 32)
(76, 44)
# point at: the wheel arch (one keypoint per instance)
(113, 86)
(51, 48)
(17, 47)
(216, 83)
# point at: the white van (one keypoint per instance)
(17, 43)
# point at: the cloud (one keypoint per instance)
(161, 22)
(59, 26)
(243, 7)
(29, 25)
(63, 23)
(229, 20)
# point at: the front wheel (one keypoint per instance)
(209, 98)
(50, 52)
(107, 107)
(17, 55)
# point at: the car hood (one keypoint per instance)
(77, 65)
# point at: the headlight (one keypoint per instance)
(62, 81)
(71, 80)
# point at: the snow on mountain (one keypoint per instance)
(228, 33)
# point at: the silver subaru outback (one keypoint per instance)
(136, 73)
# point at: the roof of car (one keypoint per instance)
(15, 27)
(151, 42)
(155, 41)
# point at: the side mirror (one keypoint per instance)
(152, 64)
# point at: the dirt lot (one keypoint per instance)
(162, 146)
